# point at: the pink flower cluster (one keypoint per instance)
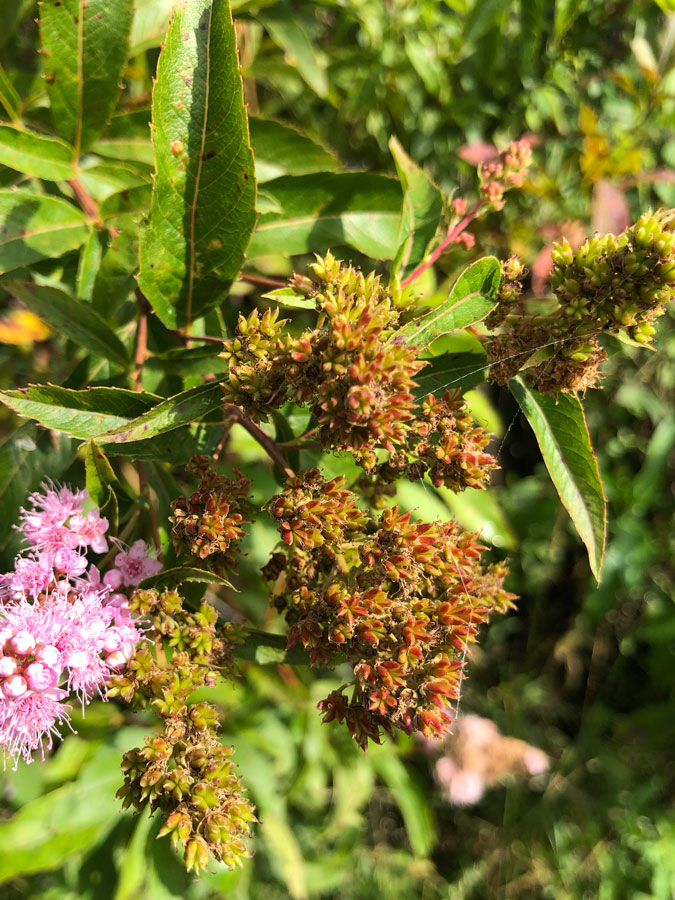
(61, 632)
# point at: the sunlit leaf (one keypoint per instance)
(85, 45)
(203, 202)
(562, 434)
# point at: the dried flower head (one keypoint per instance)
(398, 599)
(208, 523)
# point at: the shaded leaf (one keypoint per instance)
(410, 797)
(102, 484)
(9, 99)
(282, 150)
(131, 149)
(470, 300)
(562, 434)
(65, 821)
(288, 33)
(90, 260)
(35, 155)
(24, 463)
(321, 211)
(171, 577)
(37, 226)
(85, 47)
(451, 371)
(422, 209)
(203, 202)
(74, 320)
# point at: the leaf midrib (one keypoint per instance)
(193, 207)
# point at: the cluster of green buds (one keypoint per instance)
(399, 600)
(443, 443)
(610, 285)
(185, 771)
(256, 380)
(509, 171)
(208, 524)
(509, 290)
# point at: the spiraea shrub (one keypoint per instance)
(190, 319)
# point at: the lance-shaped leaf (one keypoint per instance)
(37, 226)
(102, 484)
(422, 209)
(282, 150)
(472, 297)
(82, 414)
(86, 414)
(72, 319)
(452, 371)
(562, 434)
(85, 45)
(36, 155)
(203, 202)
(323, 210)
(189, 406)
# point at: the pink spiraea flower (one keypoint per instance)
(65, 642)
(57, 528)
(136, 564)
(90, 530)
(45, 524)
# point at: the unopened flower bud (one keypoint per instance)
(14, 687)
(7, 666)
(22, 643)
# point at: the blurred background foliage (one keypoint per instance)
(586, 673)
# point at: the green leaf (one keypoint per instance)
(203, 202)
(189, 406)
(70, 819)
(286, 31)
(151, 20)
(85, 44)
(131, 149)
(9, 99)
(410, 797)
(320, 211)
(451, 371)
(82, 414)
(288, 297)
(562, 434)
(472, 298)
(102, 484)
(77, 321)
(36, 155)
(25, 461)
(87, 269)
(171, 577)
(37, 226)
(422, 209)
(282, 150)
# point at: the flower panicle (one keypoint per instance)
(398, 599)
(185, 772)
(611, 285)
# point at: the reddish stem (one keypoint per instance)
(452, 235)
